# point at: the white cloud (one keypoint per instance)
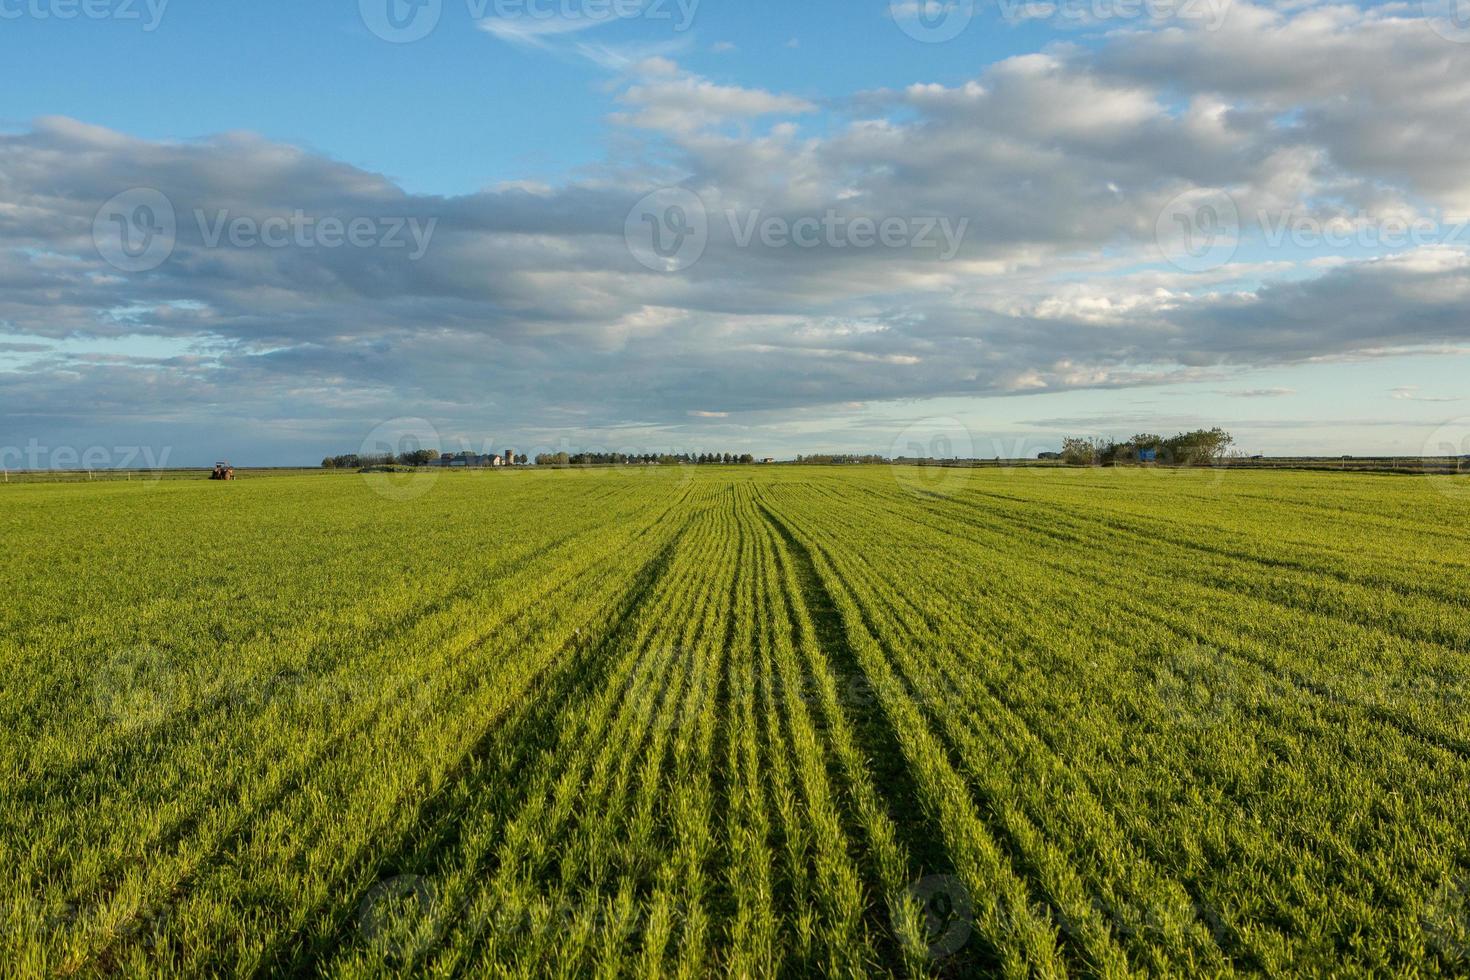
(537, 32)
(662, 97)
(1260, 393)
(1412, 393)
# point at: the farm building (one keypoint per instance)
(468, 460)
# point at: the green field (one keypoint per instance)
(752, 721)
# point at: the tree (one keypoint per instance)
(419, 457)
(1202, 447)
(1146, 445)
(1080, 452)
(1147, 441)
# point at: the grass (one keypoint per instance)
(749, 721)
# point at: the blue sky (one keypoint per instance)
(459, 109)
(1064, 149)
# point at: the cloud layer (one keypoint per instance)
(528, 312)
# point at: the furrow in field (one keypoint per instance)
(750, 934)
(1053, 832)
(1421, 609)
(498, 768)
(58, 755)
(1078, 913)
(1195, 612)
(182, 763)
(1301, 624)
(683, 882)
(865, 750)
(210, 771)
(502, 851)
(927, 690)
(1023, 942)
(841, 935)
(517, 900)
(337, 768)
(918, 617)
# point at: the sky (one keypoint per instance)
(276, 231)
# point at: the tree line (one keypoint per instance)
(647, 459)
(1201, 447)
(419, 457)
(839, 459)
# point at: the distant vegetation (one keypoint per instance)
(647, 459)
(354, 461)
(839, 459)
(378, 461)
(1199, 448)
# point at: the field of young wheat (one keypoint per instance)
(751, 721)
